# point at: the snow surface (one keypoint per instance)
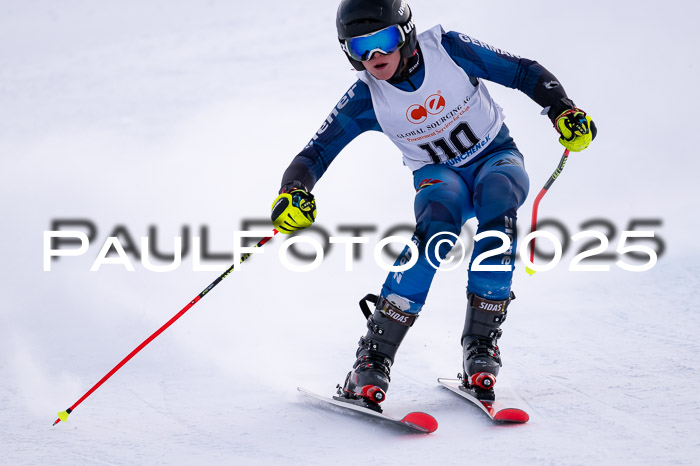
(185, 113)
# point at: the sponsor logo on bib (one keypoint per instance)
(433, 105)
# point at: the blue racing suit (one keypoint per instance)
(490, 187)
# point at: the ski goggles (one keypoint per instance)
(386, 41)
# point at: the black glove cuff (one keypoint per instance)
(559, 107)
(291, 186)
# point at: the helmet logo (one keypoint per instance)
(402, 7)
(433, 105)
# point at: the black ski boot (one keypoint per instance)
(369, 380)
(482, 358)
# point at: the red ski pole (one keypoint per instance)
(536, 205)
(63, 415)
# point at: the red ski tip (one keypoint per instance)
(421, 421)
(511, 415)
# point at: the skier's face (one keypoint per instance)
(383, 66)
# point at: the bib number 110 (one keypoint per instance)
(460, 140)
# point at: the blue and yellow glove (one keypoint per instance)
(294, 209)
(576, 129)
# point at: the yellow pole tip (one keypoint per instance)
(63, 415)
(529, 271)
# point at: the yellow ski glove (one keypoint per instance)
(293, 210)
(576, 129)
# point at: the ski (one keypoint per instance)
(499, 410)
(417, 422)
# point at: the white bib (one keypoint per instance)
(447, 120)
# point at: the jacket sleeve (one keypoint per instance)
(481, 60)
(352, 116)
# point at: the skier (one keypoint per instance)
(427, 94)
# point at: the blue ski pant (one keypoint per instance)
(491, 189)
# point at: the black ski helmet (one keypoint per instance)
(360, 17)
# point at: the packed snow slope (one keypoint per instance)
(177, 118)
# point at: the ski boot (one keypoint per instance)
(482, 358)
(368, 382)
